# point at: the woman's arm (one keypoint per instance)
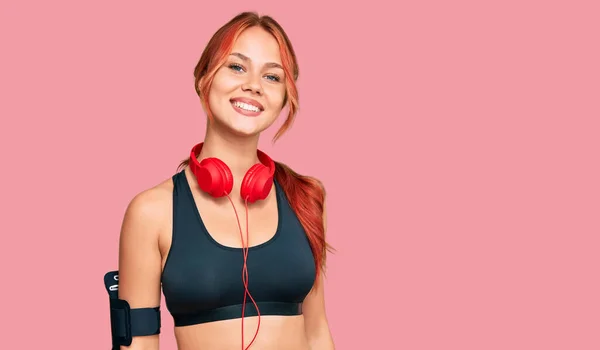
(140, 259)
(315, 318)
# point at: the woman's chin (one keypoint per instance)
(248, 127)
(242, 126)
(243, 130)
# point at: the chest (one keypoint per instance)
(204, 272)
(237, 225)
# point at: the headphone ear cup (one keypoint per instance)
(214, 177)
(257, 183)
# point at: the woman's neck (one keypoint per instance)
(239, 153)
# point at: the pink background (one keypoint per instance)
(458, 141)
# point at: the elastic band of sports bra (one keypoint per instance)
(235, 311)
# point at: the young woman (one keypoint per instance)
(236, 240)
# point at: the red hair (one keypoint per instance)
(305, 194)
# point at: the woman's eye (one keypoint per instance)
(273, 78)
(236, 67)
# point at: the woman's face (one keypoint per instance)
(248, 91)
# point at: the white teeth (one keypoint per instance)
(246, 106)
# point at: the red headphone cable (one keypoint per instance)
(245, 271)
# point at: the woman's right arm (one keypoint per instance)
(140, 259)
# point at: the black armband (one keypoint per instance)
(126, 322)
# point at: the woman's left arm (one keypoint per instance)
(315, 318)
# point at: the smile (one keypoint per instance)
(245, 106)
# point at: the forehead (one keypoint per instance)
(259, 45)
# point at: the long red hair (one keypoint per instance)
(306, 194)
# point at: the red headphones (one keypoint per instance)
(215, 178)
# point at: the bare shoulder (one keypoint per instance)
(150, 207)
